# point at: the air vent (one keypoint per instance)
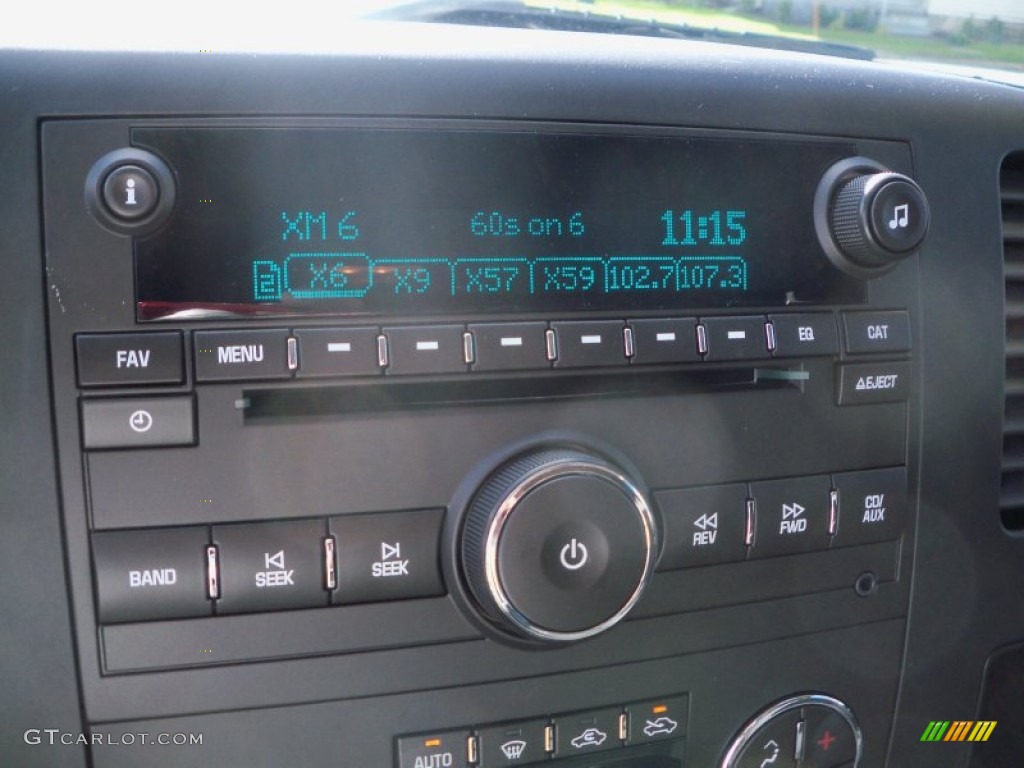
(1011, 500)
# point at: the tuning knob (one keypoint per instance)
(869, 218)
(558, 545)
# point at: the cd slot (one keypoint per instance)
(377, 396)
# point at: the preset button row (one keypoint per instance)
(166, 573)
(131, 359)
(727, 523)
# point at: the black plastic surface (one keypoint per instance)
(959, 575)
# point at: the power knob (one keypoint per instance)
(869, 218)
(558, 545)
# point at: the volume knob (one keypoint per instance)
(869, 218)
(558, 545)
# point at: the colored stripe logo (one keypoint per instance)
(958, 730)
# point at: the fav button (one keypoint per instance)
(270, 566)
(124, 359)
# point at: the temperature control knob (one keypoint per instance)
(869, 218)
(558, 545)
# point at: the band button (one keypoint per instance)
(150, 574)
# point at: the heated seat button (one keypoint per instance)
(868, 332)
(124, 359)
(391, 556)
(434, 750)
(238, 355)
(872, 506)
(658, 720)
(670, 340)
(512, 743)
(587, 732)
(703, 526)
(270, 566)
(735, 338)
(792, 516)
(151, 574)
(583, 344)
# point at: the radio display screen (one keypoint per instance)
(358, 221)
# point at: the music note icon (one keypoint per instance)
(897, 219)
